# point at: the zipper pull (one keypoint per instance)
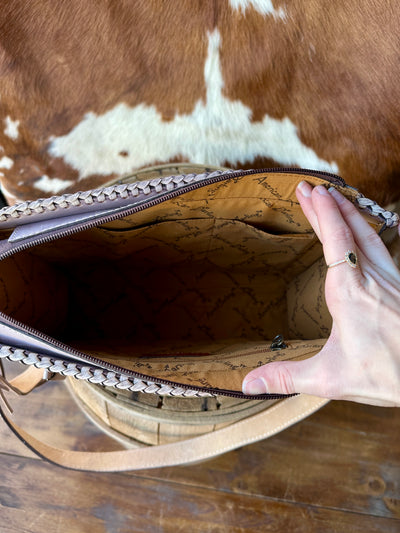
(278, 343)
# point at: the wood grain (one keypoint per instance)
(46, 499)
(338, 470)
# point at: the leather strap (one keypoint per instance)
(28, 380)
(260, 426)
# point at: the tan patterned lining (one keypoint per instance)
(193, 290)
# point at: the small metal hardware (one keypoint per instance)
(278, 343)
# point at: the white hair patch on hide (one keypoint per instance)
(11, 129)
(217, 130)
(6, 162)
(52, 185)
(265, 7)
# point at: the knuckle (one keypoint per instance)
(329, 386)
(331, 389)
(281, 379)
(344, 298)
(371, 239)
(340, 235)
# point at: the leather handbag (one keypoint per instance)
(177, 285)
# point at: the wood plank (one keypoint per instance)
(326, 460)
(37, 497)
(345, 457)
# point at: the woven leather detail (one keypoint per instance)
(135, 190)
(139, 189)
(98, 376)
(391, 219)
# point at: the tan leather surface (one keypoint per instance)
(252, 429)
(28, 380)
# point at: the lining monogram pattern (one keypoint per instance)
(200, 279)
(220, 365)
(192, 290)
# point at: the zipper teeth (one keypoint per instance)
(103, 220)
(149, 380)
(143, 188)
(163, 197)
(125, 372)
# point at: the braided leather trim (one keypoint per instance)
(96, 375)
(390, 218)
(143, 188)
(111, 193)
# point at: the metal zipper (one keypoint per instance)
(126, 211)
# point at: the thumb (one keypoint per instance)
(287, 377)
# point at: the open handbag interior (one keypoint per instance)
(192, 290)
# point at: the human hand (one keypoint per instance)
(361, 359)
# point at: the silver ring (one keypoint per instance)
(350, 258)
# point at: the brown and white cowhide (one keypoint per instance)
(94, 90)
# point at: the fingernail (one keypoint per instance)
(255, 386)
(336, 194)
(305, 188)
(320, 189)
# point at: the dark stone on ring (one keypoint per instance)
(350, 258)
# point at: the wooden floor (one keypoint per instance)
(337, 471)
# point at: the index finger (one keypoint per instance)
(336, 236)
(366, 238)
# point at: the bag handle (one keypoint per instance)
(257, 427)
